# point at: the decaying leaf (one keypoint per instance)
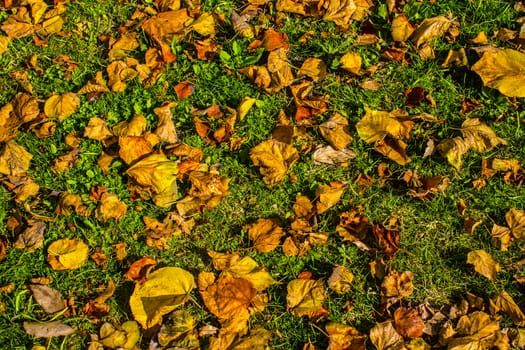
(396, 286)
(48, 298)
(274, 159)
(123, 336)
(401, 29)
(266, 234)
(14, 159)
(328, 195)
(179, 331)
(139, 270)
(479, 136)
(67, 254)
(477, 331)
(504, 302)
(408, 323)
(97, 129)
(336, 131)
(314, 68)
(484, 263)
(305, 297)
(502, 70)
(33, 236)
(110, 207)
(454, 149)
(387, 239)
(329, 155)
(163, 290)
(384, 336)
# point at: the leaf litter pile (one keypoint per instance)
(260, 175)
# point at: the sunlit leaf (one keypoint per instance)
(375, 125)
(351, 62)
(306, 297)
(329, 195)
(110, 207)
(401, 28)
(163, 290)
(47, 329)
(484, 263)
(340, 280)
(479, 136)
(179, 331)
(123, 336)
(384, 336)
(4, 43)
(503, 301)
(454, 149)
(48, 298)
(344, 337)
(123, 46)
(61, 106)
(266, 235)
(14, 159)
(339, 11)
(430, 29)
(336, 131)
(274, 159)
(408, 323)
(67, 254)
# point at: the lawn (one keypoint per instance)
(262, 174)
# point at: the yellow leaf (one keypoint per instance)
(124, 336)
(394, 149)
(179, 331)
(351, 62)
(51, 26)
(290, 6)
(4, 42)
(135, 127)
(18, 26)
(245, 106)
(516, 220)
(279, 69)
(484, 263)
(341, 336)
(314, 68)
(14, 159)
(110, 207)
(504, 302)
(274, 159)
(503, 70)
(396, 286)
(61, 106)
(340, 280)
(430, 29)
(97, 129)
(132, 148)
(336, 131)
(163, 290)
(205, 24)
(479, 136)
(339, 11)
(384, 336)
(96, 85)
(25, 107)
(453, 150)
(157, 174)
(67, 254)
(38, 8)
(329, 195)
(401, 28)
(375, 125)
(266, 235)
(122, 47)
(306, 297)
(501, 237)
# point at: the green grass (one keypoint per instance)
(433, 243)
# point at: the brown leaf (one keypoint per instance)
(516, 220)
(110, 207)
(501, 237)
(280, 70)
(274, 159)
(266, 235)
(453, 150)
(132, 148)
(408, 323)
(179, 331)
(25, 107)
(135, 127)
(123, 46)
(396, 286)
(387, 239)
(344, 337)
(353, 225)
(48, 329)
(328, 195)
(484, 263)
(394, 149)
(184, 89)
(339, 11)
(314, 68)
(329, 155)
(305, 297)
(273, 40)
(97, 85)
(97, 129)
(479, 136)
(290, 6)
(139, 270)
(430, 29)
(33, 236)
(259, 75)
(48, 298)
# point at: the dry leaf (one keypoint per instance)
(392, 148)
(139, 270)
(504, 302)
(204, 24)
(375, 125)
(33, 236)
(120, 337)
(259, 75)
(97, 129)
(408, 323)
(385, 337)
(110, 207)
(479, 136)
(502, 70)
(396, 286)
(501, 237)
(61, 106)
(48, 298)
(179, 331)
(97, 85)
(47, 329)
(14, 159)
(157, 175)
(314, 68)
(516, 220)
(401, 28)
(344, 337)
(273, 40)
(163, 290)
(184, 89)
(279, 69)
(67, 254)
(4, 43)
(340, 280)
(123, 46)
(484, 263)
(305, 297)
(274, 159)
(453, 150)
(351, 62)
(266, 234)
(328, 195)
(387, 239)
(135, 127)
(430, 29)
(336, 131)
(339, 11)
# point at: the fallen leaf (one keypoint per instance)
(110, 207)
(274, 159)
(305, 297)
(408, 323)
(259, 75)
(67, 254)
(157, 175)
(401, 29)
(163, 290)
(47, 329)
(387, 239)
(454, 149)
(516, 220)
(329, 155)
(336, 131)
(339, 11)
(501, 237)
(314, 68)
(384, 336)
(179, 331)
(328, 195)
(97, 129)
(97, 85)
(290, 6)
(340, 280)
(123, 336)
(132, 148)
(280, 70)
(245, 105)
(139, 270)
(375, 125)
(4, 43)
(14, 159)
(122, 47)
(351, 62)
(33, 236)
(353, 225)
(184, 89)
(479, 136)
(48, 298)
(204, 24)
(273, 40)
(136, 126)
(477, 331)
(393, 148)
(484, 263)
(61, 106)
(430, 29)
(266, 235)
(503, 301)
(396, 286)
(344, 337)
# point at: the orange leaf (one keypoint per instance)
(408, 323)
(184, 89)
